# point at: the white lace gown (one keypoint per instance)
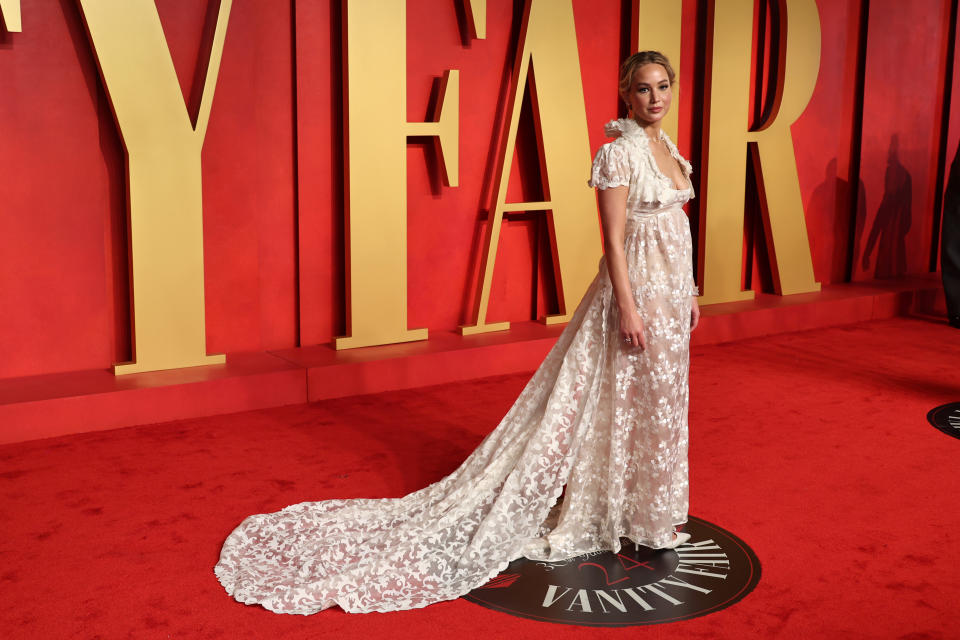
(604, 420)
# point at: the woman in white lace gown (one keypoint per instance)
(605, 416)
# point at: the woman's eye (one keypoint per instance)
(643, 90)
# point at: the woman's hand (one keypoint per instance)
(694, 313)
(631, 330)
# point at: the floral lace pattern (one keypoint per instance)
(604, 421)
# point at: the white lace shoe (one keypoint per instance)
(678, 539)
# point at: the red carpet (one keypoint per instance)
(812, 447)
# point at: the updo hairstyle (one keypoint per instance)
(637, 60)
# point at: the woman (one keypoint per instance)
(603, 421)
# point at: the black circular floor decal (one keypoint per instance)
(713, 570)
(946, 418)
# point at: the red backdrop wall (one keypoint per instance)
(870, 146)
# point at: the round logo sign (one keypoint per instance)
(946, 418)
(711, 571)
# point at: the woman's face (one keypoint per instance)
(649, 96)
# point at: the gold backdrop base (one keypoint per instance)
(81, 401)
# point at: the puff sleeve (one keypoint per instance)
(610, 167)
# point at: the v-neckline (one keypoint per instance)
(629, 128)
(656, 165)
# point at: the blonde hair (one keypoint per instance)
(637, 60)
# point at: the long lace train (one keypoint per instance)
(599, 418)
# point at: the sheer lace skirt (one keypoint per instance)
(603, 419)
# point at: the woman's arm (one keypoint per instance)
(613, 217)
